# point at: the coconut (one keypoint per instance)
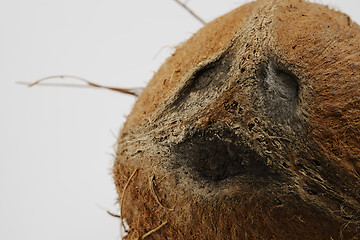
(250, 130)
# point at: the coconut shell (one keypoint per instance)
(250, 130)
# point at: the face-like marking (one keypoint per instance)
(217, 156)
(249, 131)
(281, 91)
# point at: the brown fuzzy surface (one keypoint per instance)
(250, 130)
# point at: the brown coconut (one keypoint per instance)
(250, 130)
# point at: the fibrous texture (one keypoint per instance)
(250, 130)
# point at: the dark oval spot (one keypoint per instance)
(216, 159)
(280, 91)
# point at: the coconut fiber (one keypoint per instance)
(250, 130)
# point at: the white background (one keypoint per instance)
(56, 144)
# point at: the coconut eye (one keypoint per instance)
(280, 90)
(203, 78)
(202, 85)
(216, 155)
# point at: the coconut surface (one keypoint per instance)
(250, 130)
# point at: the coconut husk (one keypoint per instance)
(250, 130)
